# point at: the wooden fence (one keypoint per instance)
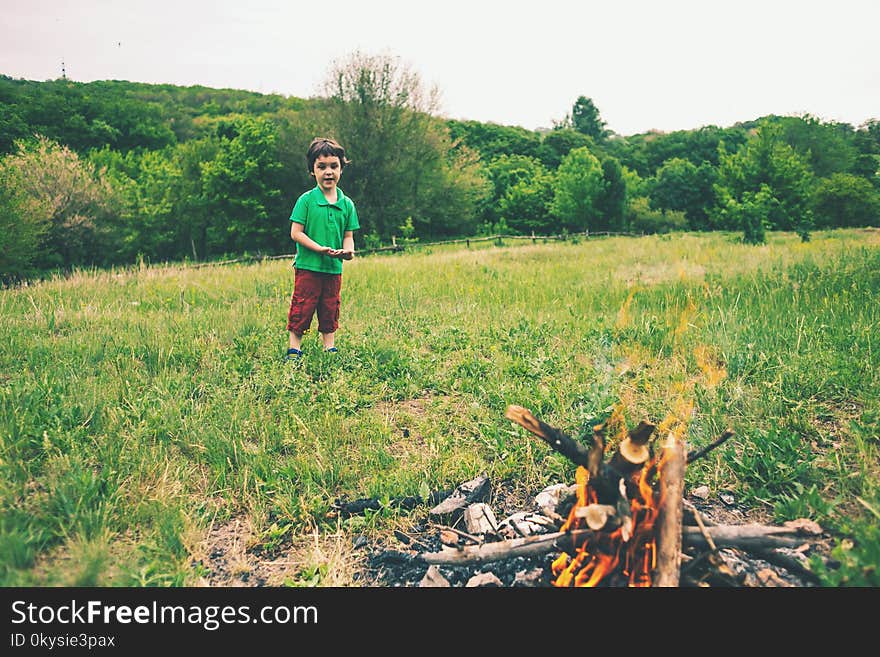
(396, 247)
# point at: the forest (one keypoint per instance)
(113, 173)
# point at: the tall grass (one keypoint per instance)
(138, 407)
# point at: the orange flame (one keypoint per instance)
(603, 551)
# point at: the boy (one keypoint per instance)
(322, 225)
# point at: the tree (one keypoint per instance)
(525, 206)
(586, 120)
(560, 142)
(23, 225)
(765, 175)
(241, 187)
(78, 200)
(404, 163)
(611, 201)
(491, 140)
(680, 185)
(844, 200)
(578, 184)
(828, 147)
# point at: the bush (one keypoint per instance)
(640, 218)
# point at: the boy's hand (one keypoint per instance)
(341, 254)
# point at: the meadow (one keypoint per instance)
(143, 408)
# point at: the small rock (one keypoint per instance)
(529, 578)
(471, 491)
(483, 579)
(701, 492)
(551, 497)
(523, 524)
(727, 498)
(434, 579)
(804, 526)
(449, 537)
(480, 520)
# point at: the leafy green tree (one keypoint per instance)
(24, 221)
(647, 152)
(578, 184)
(635, 185)
(585, 119)
(241, 188)
(491, 140)
(844, 200)
(640, 217)
(525, 206)
(78, 200)
(750, 213)
(610, 203)
(404, 162)
(560, 142)
(681, 185)
(767, 174)
(505, 172)
(829, 147)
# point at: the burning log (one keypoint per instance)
(668, 523)
(632, 452)
(597, 515)
(604, 478)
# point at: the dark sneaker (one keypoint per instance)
(293, 354)
(332, 350)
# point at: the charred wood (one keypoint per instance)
(699, 453)
(559, 441)
(344, 509)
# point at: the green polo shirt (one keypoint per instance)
(326, 223)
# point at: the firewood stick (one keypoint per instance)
(668, 524)
(458, 532)
(699, 453)
(603, 477)
(744, 537)
(715, 557)
(558, 440)
(517, 547)
(699, 519)
(642, 433)
(789, 563)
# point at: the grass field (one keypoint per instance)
(141, 409)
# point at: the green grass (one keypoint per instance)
(138, 407)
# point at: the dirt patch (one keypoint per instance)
(232, 556)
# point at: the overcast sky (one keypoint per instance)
(647, 64)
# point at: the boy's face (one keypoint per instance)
(327, 170)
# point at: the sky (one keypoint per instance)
(646, 64)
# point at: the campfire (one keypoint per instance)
(624, 522)
(627, 512)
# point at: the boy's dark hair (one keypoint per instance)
(324, 146)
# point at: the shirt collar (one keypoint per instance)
(321, 200)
